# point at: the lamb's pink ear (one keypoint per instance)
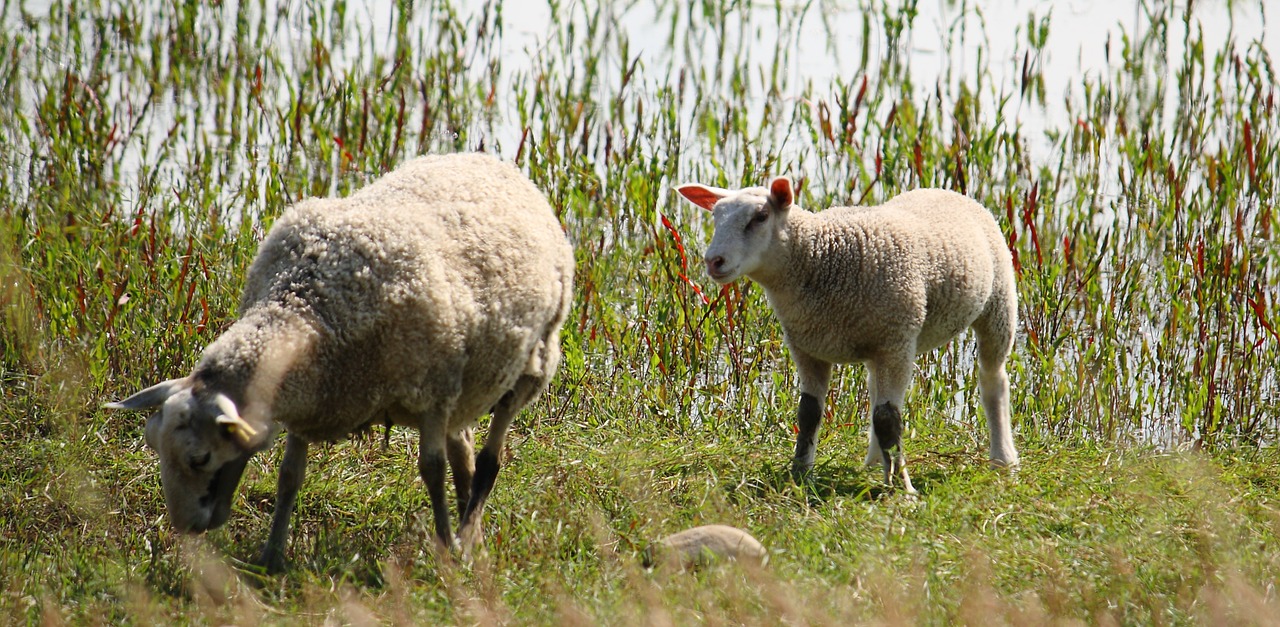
(702, 195)
(780, 193)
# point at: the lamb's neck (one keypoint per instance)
(792, 255)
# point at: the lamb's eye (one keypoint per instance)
(759, 218)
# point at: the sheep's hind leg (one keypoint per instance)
(994, 384)
(886, 420)
(488, 460)
(293, 469)
(460, 447)
(815, 377)
(995, 342)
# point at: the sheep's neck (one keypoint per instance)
(250, 361)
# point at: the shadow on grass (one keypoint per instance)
(840, 479)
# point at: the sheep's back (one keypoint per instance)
(447, 265)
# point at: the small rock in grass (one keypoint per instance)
(702, 546)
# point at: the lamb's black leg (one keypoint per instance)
(808, 418)
(488, 460)
(815, 377)
(887, 422)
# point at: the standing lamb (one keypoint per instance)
(878, 285)
(430, 297)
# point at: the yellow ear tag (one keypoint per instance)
(238, 427)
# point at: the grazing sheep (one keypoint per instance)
(430, 297)
(878, 285)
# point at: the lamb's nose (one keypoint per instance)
(715, 264)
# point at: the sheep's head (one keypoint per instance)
(203, 445)
(748, 223)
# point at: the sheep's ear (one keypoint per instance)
(245, 434)
(702, 195)
(153, 396)
(781, 194)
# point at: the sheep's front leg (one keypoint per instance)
(431, 465)
(889, 381)
(875, 456)
(293, 469)
(488, 460)
(815, 377)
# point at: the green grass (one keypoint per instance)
(145, 149)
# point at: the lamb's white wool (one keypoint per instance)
(878, 285)
(427, 299)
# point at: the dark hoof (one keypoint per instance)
(272, 561)
(800, 473)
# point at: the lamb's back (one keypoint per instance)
(958, 249)
(919, 267)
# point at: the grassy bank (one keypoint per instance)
(148, 147)
(1082, 532)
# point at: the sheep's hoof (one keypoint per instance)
(895, 466)
(1005, 469)
(1002, 464)
(449, 548)
(272, 560)
(800, 472)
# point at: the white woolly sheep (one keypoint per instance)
(426, 299)
(878, 285)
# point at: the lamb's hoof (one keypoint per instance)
(468, 552)
(1007, 469)
(905, 489)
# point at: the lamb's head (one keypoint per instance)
(749, 222)
(203, 445)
